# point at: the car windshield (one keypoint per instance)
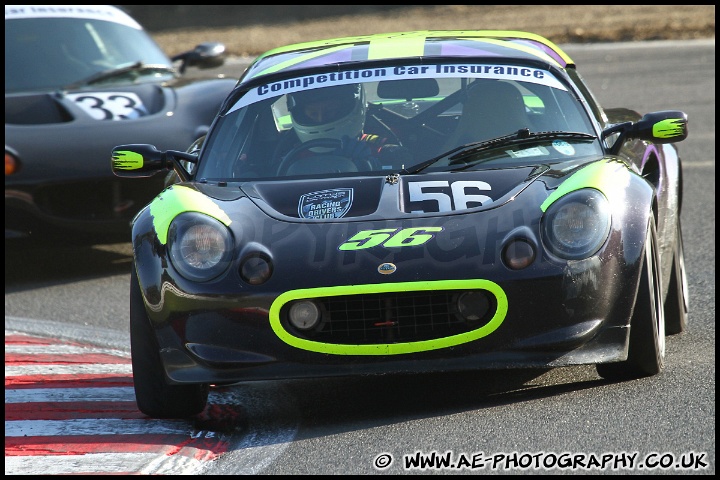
(403, 116)
(44, 53)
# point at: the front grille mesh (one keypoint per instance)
(390, 318)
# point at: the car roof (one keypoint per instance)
(420, 44)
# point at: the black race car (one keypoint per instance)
(80, 79)
(409, 202)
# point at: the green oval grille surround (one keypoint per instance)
(389, 348)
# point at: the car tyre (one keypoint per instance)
(646, 353)
(676, 302)
(154, 396)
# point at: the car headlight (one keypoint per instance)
(577, 225)
(200, 247)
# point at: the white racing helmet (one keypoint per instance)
(329, 112)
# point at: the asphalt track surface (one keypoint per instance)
(69, 403)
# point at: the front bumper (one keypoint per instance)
(223, 345)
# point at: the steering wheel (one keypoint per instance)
(294, 155)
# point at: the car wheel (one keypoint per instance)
(646, 353)
(154, 396)
(676, 302)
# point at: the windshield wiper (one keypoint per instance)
(138, 67)
(520, 137)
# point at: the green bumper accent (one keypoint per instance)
(389, 348)
(178, 199)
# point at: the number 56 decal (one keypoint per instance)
(390, 237)
(458, 199)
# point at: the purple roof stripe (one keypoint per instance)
(334, 57)
(464, 50)
(545, 49)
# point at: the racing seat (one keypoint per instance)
(491, 109)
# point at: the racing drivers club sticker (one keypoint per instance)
(333, 203)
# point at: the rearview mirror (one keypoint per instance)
(204, 55)
(666, 126)
(141, 160)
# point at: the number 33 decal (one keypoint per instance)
(109, 105)
(458, 198)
